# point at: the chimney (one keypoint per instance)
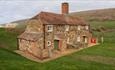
(65, 8)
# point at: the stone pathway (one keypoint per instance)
(54, 56)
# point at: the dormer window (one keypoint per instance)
(67, 28)
(78, 27)
(49, 28)
(86, 27)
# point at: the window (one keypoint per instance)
(78, 27)
(67, 28)
(84, 39)
(50, 28)
(67, 40)
(86, 27)
(78, 39)
(49, 43)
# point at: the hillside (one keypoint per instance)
(21, 23)
(99, 14)
(99, 17)
(100, 57)
(100, 20)
(20, 27)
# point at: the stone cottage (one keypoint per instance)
(49, 32)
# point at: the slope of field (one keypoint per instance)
(21, 23)
(8, 39)
(102, 19)
(105, 16)
(105, 24)
(100, 14)
(99, 57)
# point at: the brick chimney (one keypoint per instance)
(65, 8)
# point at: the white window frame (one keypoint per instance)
(86, 27)
(49, 28)
(78, 39)
(67, 40)
(79, 27)
(67, 28)
(86, 40)
(48, 43)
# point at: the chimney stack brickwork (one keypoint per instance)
(65, 8)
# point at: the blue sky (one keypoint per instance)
(11, 10)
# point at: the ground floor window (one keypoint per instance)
(48, 43)
(85, 39)
(78, 39)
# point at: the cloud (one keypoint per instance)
(11, 10)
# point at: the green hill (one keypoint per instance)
(99, 14)
(21, 23)
(101, 19)
(104, 18)
(100, 57)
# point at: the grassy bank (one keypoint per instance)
(101, 57)
(105, 24)
(8, 39)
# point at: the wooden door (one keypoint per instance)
(56, 44)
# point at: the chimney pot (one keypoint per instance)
(65, 8)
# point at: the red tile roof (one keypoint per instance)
(52, 18)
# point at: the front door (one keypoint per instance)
(56, 44)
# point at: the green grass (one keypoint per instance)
(109, 37)
(100, 57)
(105, 24)
(8, 39)
(12, 61)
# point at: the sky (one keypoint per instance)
(12, 10)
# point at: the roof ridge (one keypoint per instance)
(53, 18)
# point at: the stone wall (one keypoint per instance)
(49, 36)
(33, 47)
(34, 26)
(60, 33)
(45, 53)
(74, 33)
(66, 34)
(66, 37)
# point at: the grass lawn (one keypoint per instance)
(105, 24)
(8, 39)
(101, 57)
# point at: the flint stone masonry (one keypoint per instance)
(48, 33)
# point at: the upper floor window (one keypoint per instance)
(78, 28)
(49, 28)
(67, 28)
(86, 27)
